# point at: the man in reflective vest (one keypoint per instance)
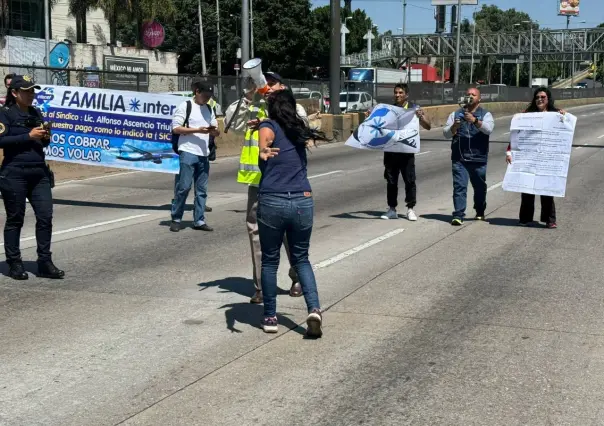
(245, 122)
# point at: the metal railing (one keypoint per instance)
(422, 93)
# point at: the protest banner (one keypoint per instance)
(541, 145)
(389, 128)
(110, 128)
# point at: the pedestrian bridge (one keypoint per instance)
(547, 46)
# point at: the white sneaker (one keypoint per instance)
(390, 214)
(411, 215)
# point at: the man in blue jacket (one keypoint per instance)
(470, 128)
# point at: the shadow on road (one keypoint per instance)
(75, 203)
(366, 214)
(503, 221)
(239, 285)
(30, 266)
(247, 313)
(435, 216)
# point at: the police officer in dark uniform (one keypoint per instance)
(24, 174)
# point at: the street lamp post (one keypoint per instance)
(457, 47)
(532, 24)
(473, 35)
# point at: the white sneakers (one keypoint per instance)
(411, 215)
(391, 214)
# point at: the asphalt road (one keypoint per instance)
(427, 324)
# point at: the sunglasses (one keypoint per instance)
(540, 97)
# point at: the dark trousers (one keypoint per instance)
(396, 163)
(476, 173)
(527, 208)
(16, 185)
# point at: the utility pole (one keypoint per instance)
(369, 37)
(204, 70)
(457, 47)
(531, 60)
(473, 37)
(404, 16)
(344, 30)
(218, 53)
(245, 31)
(47, 37)
(252, 29)
(334, 58)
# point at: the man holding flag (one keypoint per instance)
(396, 163)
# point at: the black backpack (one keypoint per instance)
(176, 137)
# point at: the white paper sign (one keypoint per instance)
(389, 128)
(541, 144)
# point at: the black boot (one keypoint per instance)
(47, 269)
(17, 271)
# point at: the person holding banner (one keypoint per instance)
(470, 128)
(286, 206)
(396, 163)
(193, 148)
(542, 102)
(25, 175)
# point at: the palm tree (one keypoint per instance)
(113, 10)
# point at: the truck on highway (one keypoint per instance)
(539, 82)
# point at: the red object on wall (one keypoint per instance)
(153, 34)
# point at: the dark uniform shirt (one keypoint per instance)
(19, 149)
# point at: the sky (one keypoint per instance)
(388, 14)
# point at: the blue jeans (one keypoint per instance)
(288, 214)
(476, 173)
(193, 169)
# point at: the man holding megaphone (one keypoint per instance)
(243, 117)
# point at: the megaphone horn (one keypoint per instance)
(253, 69)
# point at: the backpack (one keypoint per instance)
(176, 137)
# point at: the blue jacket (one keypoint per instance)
(470, 143)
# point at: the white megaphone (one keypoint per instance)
(253, 70)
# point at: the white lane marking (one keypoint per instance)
(492, 187)
(422, 153)
(356, 249)
(92, 225)
(584, 115)
(325, 174)
(601, 136)
(96, 177)
(506, 133)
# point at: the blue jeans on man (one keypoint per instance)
(278, 215)
(194, 170)
(476, 173)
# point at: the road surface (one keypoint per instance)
(427, 324)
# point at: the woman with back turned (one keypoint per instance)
(25, 175)
(285, 205)
(542, 102)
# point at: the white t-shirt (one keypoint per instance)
(201, 116)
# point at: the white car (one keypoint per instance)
(356, 101)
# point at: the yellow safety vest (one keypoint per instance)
(212, 103)
(249, 171)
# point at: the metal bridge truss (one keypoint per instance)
(548, 46)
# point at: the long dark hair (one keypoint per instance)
(282, 108)
(550, 101)
(10, 99)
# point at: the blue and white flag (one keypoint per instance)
(389, 128)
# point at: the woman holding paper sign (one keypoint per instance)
(542, 102)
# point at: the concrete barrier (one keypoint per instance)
(338, 127)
